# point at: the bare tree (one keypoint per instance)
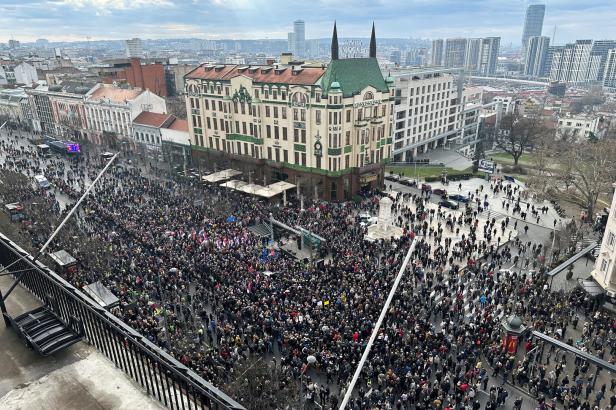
(519, 134)
(577, 173)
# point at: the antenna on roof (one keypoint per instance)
(554, 36)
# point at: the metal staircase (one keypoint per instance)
(44, 331)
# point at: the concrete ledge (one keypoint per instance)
(76, 378)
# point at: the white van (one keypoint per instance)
(42, 182)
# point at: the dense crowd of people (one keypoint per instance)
(192, 278)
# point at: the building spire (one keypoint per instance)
(335, 43)
(372, 43)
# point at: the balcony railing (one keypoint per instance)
(166, 379)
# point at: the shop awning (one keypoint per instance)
(591, 287)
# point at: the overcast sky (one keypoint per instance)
(27, 20)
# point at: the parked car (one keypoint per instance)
(392, 177)
(439, 191)
(459, 198)
(426, 187)
(408, 182)
(367, 219)
(446, 203)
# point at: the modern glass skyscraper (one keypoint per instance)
(437, 52)
(533, 23)
(488, 55)
(455, 52)
(537, 56)
(299, 29)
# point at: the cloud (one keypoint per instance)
(245, 19)
(235, 4)
(113, 4)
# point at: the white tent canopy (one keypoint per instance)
(221, 175)
(250, 188)
(282, 186)
(269, 191)
(234, 184)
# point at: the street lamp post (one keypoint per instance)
(553, 243)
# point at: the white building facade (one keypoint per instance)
(432, 111)
(578, 126)
(111, 110)
(605, 266)
(12, 72)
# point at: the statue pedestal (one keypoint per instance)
(384, 228)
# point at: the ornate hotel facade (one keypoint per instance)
(325, 128)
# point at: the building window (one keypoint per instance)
(268, 132)
(284, 113)
(611, 239)
(334, 191)
(348, 116)
(604, 264)
(284, 134)
(285, 156)
(267, 111)
(317, 116)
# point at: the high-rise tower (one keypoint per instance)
(533, 23)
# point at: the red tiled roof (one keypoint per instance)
(151, 119)
(179, 125)
(307, 76)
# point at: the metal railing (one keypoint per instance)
(163, 377)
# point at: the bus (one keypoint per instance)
(43, 150)
(64, 147)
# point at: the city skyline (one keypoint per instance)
(29, 20)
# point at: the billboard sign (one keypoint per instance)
(486, 166)
(73, 148)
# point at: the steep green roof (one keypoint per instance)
(353, 75)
